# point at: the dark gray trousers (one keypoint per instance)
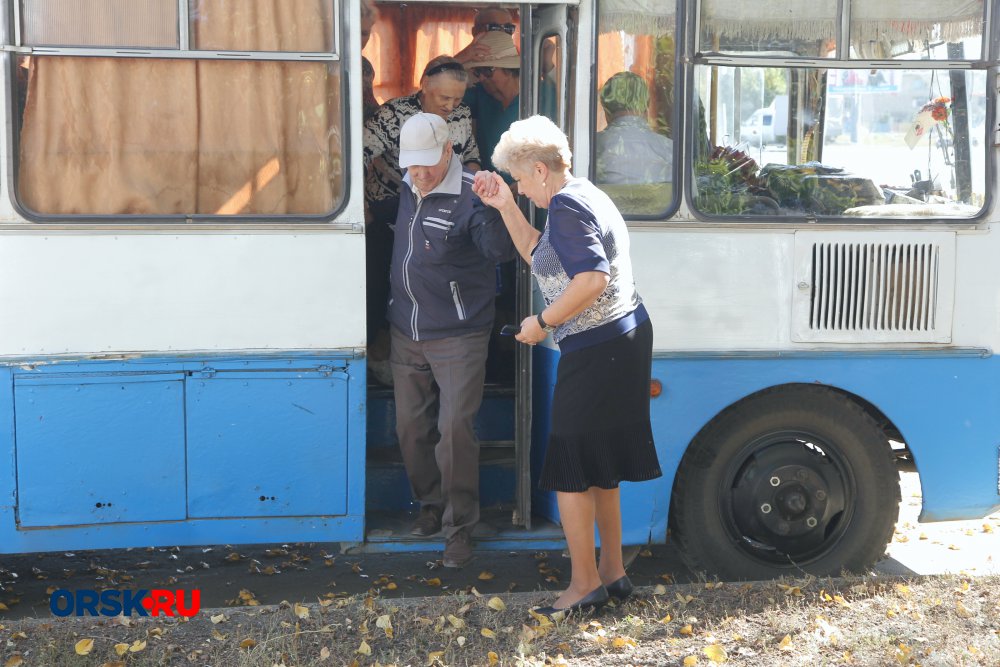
(438, 389)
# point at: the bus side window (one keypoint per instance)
(549, 84)
(192, 134)
(633, 145)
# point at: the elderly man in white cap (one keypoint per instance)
(441, 312)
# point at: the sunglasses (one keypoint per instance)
(482, 72)
(508, 28)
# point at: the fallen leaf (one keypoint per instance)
(385, 623)
(659, 589)
(622, 642)
(4, 607)
(218, 618)
(496, 604)
(987, 528)
(460, 641)
(116, 663)
(489, 634)
(493, 658)
(301, 611)
(248, 643)
(84, 646)
(666, 619)
(137, 646)
(121, 649)
(456, 622)
(715, 653)
(324, 653)
(961, 609)
(218, 636)
(786, 643)
(486, 575)
(434, 656)
(364, 649)
(690, 661)
(434, 581)
(686, 630)
(14, 661)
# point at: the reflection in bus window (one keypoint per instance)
(635, 90)
(549, 86)
(188, 136)
(874, 142)
(847, 143)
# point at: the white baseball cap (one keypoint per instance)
(422, 139)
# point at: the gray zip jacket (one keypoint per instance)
(444, 257)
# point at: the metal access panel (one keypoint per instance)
(263, 444)
(96, 449)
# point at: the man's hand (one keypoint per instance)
(474, 51)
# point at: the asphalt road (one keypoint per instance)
(305, 572)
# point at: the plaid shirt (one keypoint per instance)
(381, 142)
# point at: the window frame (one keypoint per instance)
(12, 44)
(184, 50)
(695, 57)
(679, 119)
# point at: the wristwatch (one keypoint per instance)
(547, 328)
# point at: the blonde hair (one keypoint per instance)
(534, 139)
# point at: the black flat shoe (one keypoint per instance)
(620, 589)
(593, 601)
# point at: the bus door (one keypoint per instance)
(546, 35)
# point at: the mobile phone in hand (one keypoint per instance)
(510, 330)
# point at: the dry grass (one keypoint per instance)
(949, 620)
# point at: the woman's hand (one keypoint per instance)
(531, 331)
(492, 189)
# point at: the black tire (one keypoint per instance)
(796, 479)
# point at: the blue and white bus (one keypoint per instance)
(182, 272)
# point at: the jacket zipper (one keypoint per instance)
(456, 296)
(406, 270)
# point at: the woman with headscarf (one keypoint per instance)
(600, 431)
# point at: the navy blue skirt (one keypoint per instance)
(601, 433)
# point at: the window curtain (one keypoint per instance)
(110, 136)
(816, 20)
(406, 37)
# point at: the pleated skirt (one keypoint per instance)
(600, 433)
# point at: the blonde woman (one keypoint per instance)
(600, 434)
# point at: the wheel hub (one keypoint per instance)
(785, 499)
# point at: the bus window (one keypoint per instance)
(634, 140)
(256, 133)
(839, 142)
(549, 85)
(787, 26)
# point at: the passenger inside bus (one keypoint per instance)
(628, 151)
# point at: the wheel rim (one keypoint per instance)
(787, 498)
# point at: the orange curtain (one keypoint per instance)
(407, 37)
(140, 136)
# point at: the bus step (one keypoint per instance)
(494, 423)
(388, 490)
(390, 531)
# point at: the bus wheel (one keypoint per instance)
(797, 479)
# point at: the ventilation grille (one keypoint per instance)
(874, 287)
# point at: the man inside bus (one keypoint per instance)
(629, 152)
(495, 98)
(441, 313)
(488, 20)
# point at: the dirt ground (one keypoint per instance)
(876, 620)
